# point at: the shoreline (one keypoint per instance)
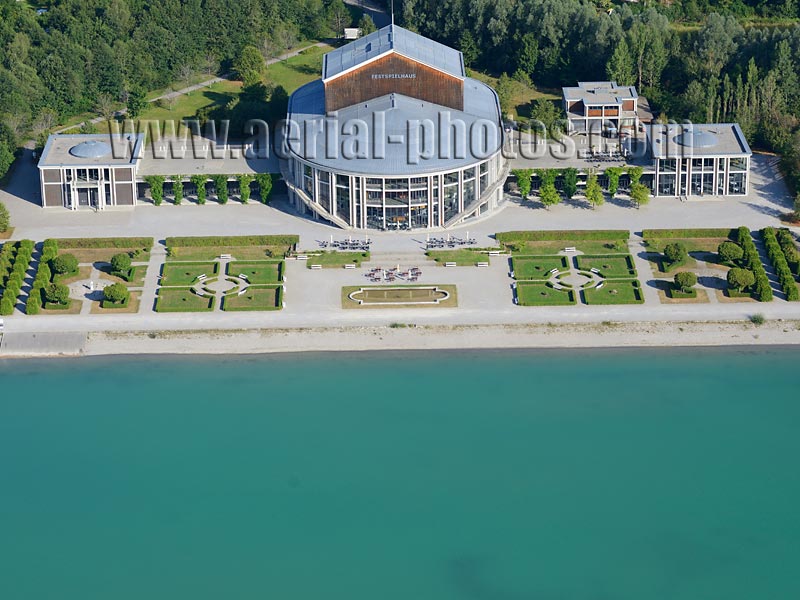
(423, 337)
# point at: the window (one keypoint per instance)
(737, 183)
(708, 164)
(667, 165)
(738, 164)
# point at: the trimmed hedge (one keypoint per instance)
(752, 261)
(656, 234)
(569, 235)
(786, 240)
(779, 262)
(233, 241)
(15, 260)
(122, 242)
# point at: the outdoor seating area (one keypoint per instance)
(451, 241)
(379, 275)
(350, 244)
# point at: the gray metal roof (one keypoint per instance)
(399, 40)
(600, 92)
(687, 140)
(96, 149)
(390, 117)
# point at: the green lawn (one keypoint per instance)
(257, 272)
(615, 292)
(297, 70)
(337, 259)
(185, 274)
(611, 266)
(533, 293)
(182, 300)
(463, 257)
(537, 267)
(255, 298)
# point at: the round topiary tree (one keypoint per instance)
(116, 293)
(675, 252)
(685, 281)
(740, 279)
(64, 263)
(120, 263)
(56, 293)
(730, 252)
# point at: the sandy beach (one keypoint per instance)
(604, 335)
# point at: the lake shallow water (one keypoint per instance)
(582, 475)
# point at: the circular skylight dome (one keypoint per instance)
(695, 138)
(90, 149)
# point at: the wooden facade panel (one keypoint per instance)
(394, 74)
(51, 175)
(124, 194)
(628, 105)
(123, 174)
(52, 196)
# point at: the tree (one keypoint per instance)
(730, 252)
(528, 54)
(338, 17)
(244, 187)
(635, 174)
(249, 66)
(675, 253)
(685, 281)
(613, 174)
(6, 157)
(570, 182)
(121, 263)
(523, 177)
(545, 111)
(594, 193)
(177, 188)
(505, 92)
(7, 305)
(63, 264)
(34, 303)
(199, 183)
(156, 183)
(116, 293)
(469, 49)
(221, 187)
(56, 293)
(620, 65)
(264, 182)
(136, 103)
(740, 279)
(640, 194)
(5, 218)
(104, 106)
(366, 24)
(548, 195)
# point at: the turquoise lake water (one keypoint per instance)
(604, 475)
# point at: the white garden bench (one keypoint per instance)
(570, 249)
(316, 267)
(449, 264)
(350, 266)
(482, 264)
(201, 277)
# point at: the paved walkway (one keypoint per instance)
(158, 256)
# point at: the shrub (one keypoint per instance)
(6, 305)
(123, 242)
(778, 260)
(786, 242)
(199, 182)
(236, 240)
(34, 303)
(49, 250)
(244, 187)
(685, 281)
(757, 319)
(675, 253)
(221, 187)
(555, 235)
(116, 293)
(120, 263)
(5, 218)
(64, 263)
(156, 183)
(730, 252)
(43, 276)
(56, 293)
(177, 188)
(264, 181)
(740, 279)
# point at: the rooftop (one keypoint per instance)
(600, 92)
(393, 38)
(91, 150)
(393, 117)
(687, 140)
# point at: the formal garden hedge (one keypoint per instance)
(233, 241)
(752, 261)
(780, 264)
(15, 259)
(786, 241)
(659, 234)
(505, 237)
(145, 243)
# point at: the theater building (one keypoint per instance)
(394, 136)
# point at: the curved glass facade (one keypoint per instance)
(398, 203)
